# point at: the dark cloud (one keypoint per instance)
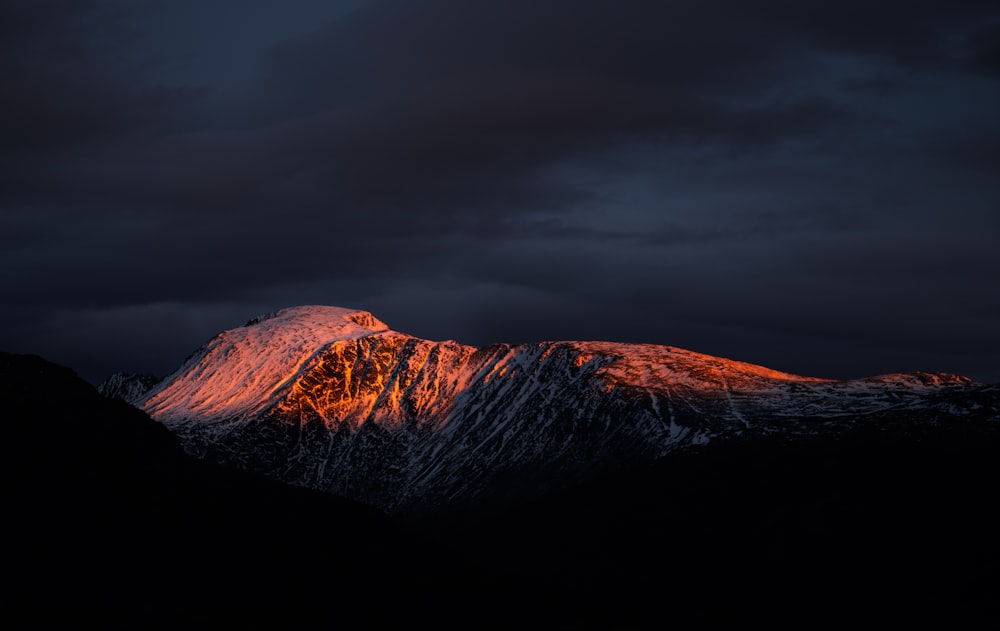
(67, 77)
(983, 47)
(810, 186)
(879, 84)
(974, 148)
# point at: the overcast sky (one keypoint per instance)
(811, 186)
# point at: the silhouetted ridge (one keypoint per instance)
(111, 523)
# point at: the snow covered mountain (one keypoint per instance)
(333, 399)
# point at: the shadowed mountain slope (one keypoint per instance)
(109, 522)
(332, 399)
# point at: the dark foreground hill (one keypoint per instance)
(108, 522)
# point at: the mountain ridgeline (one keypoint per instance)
(332, 399)
(562, 485)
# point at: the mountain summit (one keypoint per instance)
(333, 399)
(239, 371)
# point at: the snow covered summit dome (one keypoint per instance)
(238, 369)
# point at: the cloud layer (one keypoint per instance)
(814, 190)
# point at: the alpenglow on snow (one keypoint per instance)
(333, 399)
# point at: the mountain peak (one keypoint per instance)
(322, 316)
(238, 370)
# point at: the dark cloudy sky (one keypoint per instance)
(812, 186)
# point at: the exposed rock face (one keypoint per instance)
(128, 387)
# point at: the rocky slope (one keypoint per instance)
(332, 399)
